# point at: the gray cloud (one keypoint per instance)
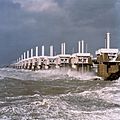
(91, 12)
(27, 23)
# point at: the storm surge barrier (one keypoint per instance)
(106, 63)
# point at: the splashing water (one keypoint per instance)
(52, 74)
(57, 95)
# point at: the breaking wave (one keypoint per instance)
(45, 74)
(60, 94)
(67, 106)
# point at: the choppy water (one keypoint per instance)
(57, 95)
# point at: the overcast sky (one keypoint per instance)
(27, 23)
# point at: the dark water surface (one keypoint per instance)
(57, 95)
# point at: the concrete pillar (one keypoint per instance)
(36, 51)
(39, 61)
(27, 54)
(79, 47)
(86, 48)
(31, 52)
(51, 50)
(29, 62)
(82, 46)
(108, 40)
(43, 50)
(33, 64)
(105, 43)
(64, 48)
(21, 57)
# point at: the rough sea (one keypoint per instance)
(57, 95)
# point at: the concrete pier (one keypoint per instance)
(63, 59)
(81, 61)
(107, 59)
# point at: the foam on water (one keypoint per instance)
(84, 100)
(45, 74)
(1, 77)
(56, 108)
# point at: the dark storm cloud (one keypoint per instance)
(27, 23)
(7, 4)
(95, 13)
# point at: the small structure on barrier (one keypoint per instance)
(107, 59)
(81, 61)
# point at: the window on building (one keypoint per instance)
(80, 60)
(84, 60)
(62, 59)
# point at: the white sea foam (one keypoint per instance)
(46, 74)
(54, 108)
(2, 77)
(63, 106)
